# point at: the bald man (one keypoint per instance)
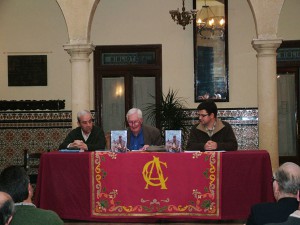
(86, 136)
(286, 183)
(7, 208)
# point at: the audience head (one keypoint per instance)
(286, 181)
(135, 120)
(7, 208)
(85, 121)
(15, 181)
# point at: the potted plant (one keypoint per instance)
(169, 113)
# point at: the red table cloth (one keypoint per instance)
(67, 185)
(155, 185)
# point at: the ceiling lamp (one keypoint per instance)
(210, 26)
(185, 17)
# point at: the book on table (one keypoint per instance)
(118, 140)
(173, 140)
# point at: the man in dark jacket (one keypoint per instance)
(211, 134)
(286, 184)
(294, 218)
(86, 136)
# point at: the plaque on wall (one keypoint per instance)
(27, 70)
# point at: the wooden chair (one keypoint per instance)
(107, 138)
(31, 165)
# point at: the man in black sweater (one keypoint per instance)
(86, 136)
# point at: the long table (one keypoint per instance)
(88, 186)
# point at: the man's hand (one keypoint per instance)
(79, 144)
(210, 146)
(144, 148)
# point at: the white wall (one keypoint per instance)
(34, 27)
(149, 22)
(38, 27)
(289, 27)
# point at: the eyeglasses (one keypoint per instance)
(131, 123)
(203, 115)
(273, 179)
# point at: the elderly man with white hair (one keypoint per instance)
(140, 136)
(286, 184)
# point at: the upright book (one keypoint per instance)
(118, 140)
(173, 140)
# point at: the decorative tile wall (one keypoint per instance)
(41, 131)
(37, 131)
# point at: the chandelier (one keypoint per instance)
(185, 17)
(210, 26)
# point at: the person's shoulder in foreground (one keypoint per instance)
(286, 184)
(293, 219)
(211, 134)
(29, 214)
(15, 181)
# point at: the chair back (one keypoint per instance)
(31, 165)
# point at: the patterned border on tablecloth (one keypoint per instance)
(204, 205)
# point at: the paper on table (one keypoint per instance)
(69, 150)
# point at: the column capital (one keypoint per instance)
(79, 50)
(266, 47)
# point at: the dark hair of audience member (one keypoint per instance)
(14, 181)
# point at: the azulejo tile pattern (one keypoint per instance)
(37, 131)
(41, 131)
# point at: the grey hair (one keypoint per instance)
(82, 113)
(7, 209)
(133, 111)
(288, 178)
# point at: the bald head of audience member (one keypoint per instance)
(286, 181)
(6, 208)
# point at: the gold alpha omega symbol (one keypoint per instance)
(154, 178)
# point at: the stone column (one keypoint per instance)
(267, 96)
(80, 77)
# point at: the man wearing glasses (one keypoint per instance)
(286, 184)
(86, 136)
(211, 134)
(140, 136)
